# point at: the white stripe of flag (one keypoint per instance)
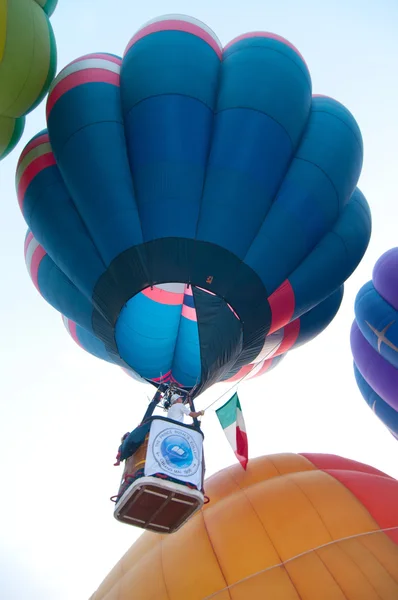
(231, 419)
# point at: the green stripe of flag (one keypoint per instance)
(227, 412)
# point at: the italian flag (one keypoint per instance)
(231, 419)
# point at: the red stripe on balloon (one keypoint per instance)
(265, 34)
(37, 141)
(376, 491)
(35, 167)
(72, 327)
(282, 303)
(246, 370)
(37, 257)
(80, 78)
(290, 334)
(378, 494)
(243, 372)
(266, 366)
(331, 461)
(175, 25)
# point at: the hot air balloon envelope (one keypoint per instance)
(28, 60)
(374, 340)
(192, 209)
(291, 527)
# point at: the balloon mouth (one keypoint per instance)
(164, 331)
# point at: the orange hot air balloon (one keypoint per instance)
(292, 527)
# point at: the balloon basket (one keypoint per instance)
(162, 483)
(158, 505)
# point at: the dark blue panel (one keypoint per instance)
(318, 184)
(87, 136)
(93, 345)
(384, 411)
(168, 139)
(329, 105)
(261, 75)
(304, 210)
(317, 319)
(169, 62)
(333, 143)
(53, 220)
(60, 292)
(334, 258)
(249, 156)
(271, 43)
(220, 337)
(189, 301)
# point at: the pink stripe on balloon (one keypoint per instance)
(189, 312)
(80, 78)
(28, 239)
(175, 25)
(207, 291)
(72, 328)
(232, 310)
(37, 257)
(35, 167)
(163, 296)
(265, 34)
(37, 141)
(101, 55)
(188, 290)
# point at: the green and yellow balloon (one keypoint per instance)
(28, 60)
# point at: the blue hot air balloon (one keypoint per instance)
(374, 340)
(192, 209)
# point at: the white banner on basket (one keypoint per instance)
(175, 451)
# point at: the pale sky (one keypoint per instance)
(62, 412)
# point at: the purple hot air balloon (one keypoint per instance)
(374, 340)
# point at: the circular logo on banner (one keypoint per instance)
(176, 452)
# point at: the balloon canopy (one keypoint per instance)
(28, 61)
(374, 340)
(192, 209)
(291, 527)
